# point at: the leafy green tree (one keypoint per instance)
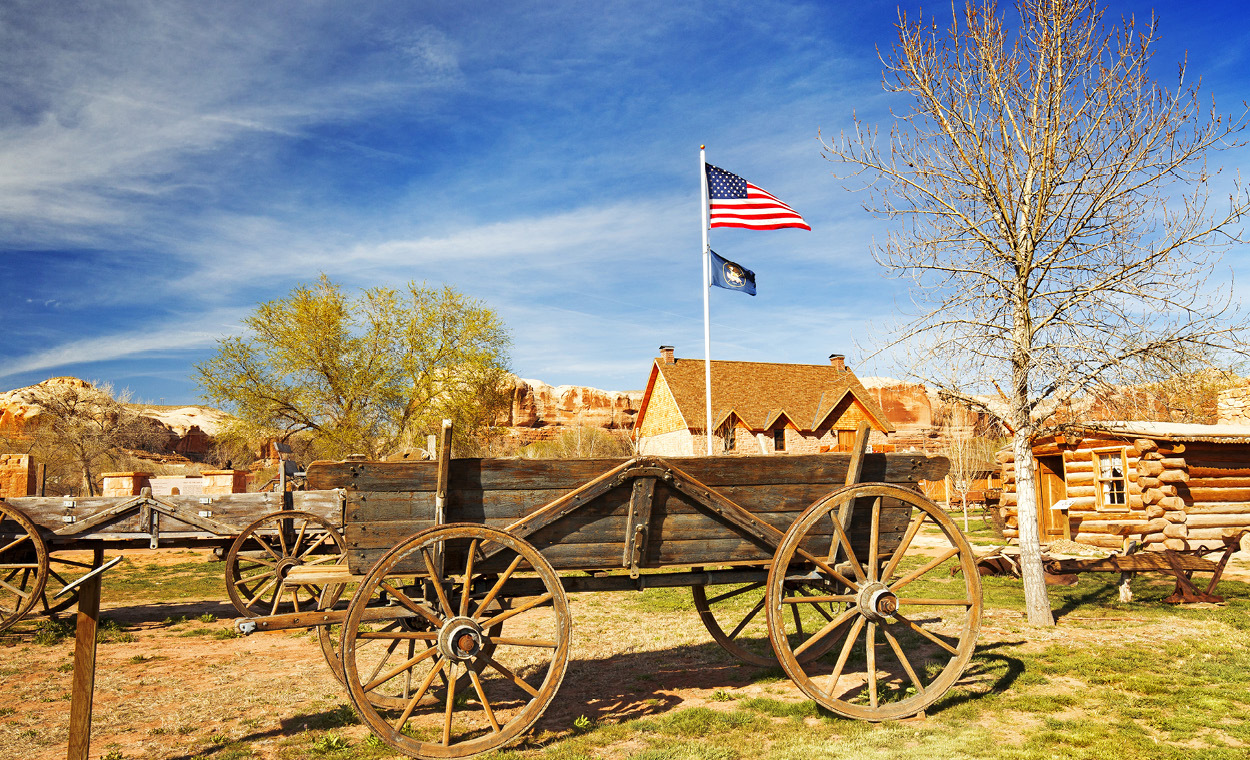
(365, 374)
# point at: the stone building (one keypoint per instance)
(757, 408)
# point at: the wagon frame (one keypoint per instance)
(466, 565)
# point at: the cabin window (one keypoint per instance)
(728, 439)
(1111, 478)
(779, 439)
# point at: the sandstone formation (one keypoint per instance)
(537, 404)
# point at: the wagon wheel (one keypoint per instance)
(734, 615)
(914, 604)
(24, 566)
(446, 624)
(263, 554)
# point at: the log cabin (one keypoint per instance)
(1173, 485)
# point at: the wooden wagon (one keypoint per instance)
(457, 635)
(48, 542)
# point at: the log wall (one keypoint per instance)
(1180, 495)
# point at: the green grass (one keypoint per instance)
(183, 580)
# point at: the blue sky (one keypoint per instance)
(164, 166)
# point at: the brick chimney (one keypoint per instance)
(838, 360)
(666, 353)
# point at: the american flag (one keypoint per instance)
(737, 203)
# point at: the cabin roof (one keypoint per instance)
(759, 393)
(1171, 431)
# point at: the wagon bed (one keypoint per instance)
(586, 514)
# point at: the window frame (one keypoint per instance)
(779, 439)
(728, 435)
(1104, 486)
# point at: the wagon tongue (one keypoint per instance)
(311, 618)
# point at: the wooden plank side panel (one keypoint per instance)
(327, 505)
(47, 511)
(477, 505)
(594, 536)
(235, 509)
(566, 474)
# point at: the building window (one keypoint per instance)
(779, 439)
(846, 440)
(1111, 476)
(728, 439)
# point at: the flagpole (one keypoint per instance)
(707, 325)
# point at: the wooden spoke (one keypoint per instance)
(845, 654)
(327, 559)
(481, 695)
(499, 584)
(299, 539)
(912, 529)
(876, 686)
(468, 578)
(400, 668)
(798, 621)
(749, 617)
(403, 635)
(515, 642)
(931, 637)
(425, 686)
(261, 591)
(277, 598)
(373, 677)
(936, 561)
(874, 539)
(403, 599)
(840, 532)
(438, 585)
(14, 543)
(531, 604)
(814, 600)
(451, 703)
(257, 561)
(735, 592)
(316, 544)
(902, 659)
(15, 590)
(870, 654)
(506, 673)
(832, 626)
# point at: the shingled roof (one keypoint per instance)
(759, 393)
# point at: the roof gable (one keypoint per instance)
(760, 393)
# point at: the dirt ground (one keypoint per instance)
(176, 691)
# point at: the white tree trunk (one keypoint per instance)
(1036, 601)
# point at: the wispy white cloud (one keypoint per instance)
(119, 346)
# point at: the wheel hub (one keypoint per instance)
(285, 564)
(460, 639)
(877, 602)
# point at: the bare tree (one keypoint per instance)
(81, 431)
(969, 443)
(1055, 209)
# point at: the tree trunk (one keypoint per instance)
(1036, 600)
